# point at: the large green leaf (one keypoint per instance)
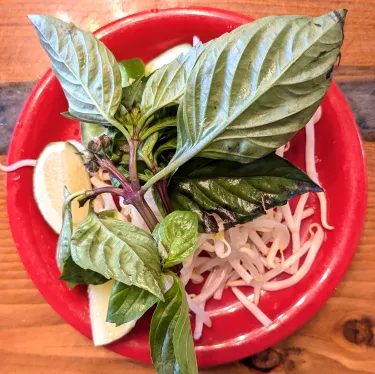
(171, 342)
(74, 274)
(166, 86)
(128, 303)
(236, 192)
(65, 237)
(87, 70)
(118, 250)
(252, 89)
(177, 237)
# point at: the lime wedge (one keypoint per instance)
(166, 57)
(59, 165)
(104, 332)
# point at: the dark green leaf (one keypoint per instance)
(171, 342)
(63, 244)
(128, 303)
(253, 89)
(177, 237)
(118, 250)
(87, 70)
(236, 192)
(74, 274)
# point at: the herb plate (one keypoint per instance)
(235, 333)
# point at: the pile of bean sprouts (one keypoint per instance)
(247, 255)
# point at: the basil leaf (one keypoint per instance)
(171, 342)
(253, 89)
(146, 149)
(277, 98)
(167, 84)
(63, 244)
(177, 237)
(118, 250)
(132, 95)
(72, 273)
(87, 70)
(168, 145)
(128, 303)
(236, 192)
(89, 118)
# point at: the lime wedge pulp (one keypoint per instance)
(104, 332)
(59, 165)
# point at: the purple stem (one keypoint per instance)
(161, 188)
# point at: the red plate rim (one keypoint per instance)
(230, 350)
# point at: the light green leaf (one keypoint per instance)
(235, 192)
(63, 244)
(118, 250)
(171, 341)
(87, 70)
(128, 303)
(253, 89)
(166, 85)
(177, 237)
(276, 72)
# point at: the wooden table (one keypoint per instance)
(35, 340)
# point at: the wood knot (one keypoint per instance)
(264, 361)
(359, 332)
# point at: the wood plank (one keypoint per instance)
(22, 59)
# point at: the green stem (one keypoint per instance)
(71, 197)
(120, 127)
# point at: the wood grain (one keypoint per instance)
(22, 59)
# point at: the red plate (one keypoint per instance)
(235, 333)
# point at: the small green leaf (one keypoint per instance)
(63, 244)
(87, 70)
(177, 237)
(128, 303)
(146, 150)
(171, 341)
(118, 250)
(237, 193)
(74, 274)
(166, 85)
(132, 95)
